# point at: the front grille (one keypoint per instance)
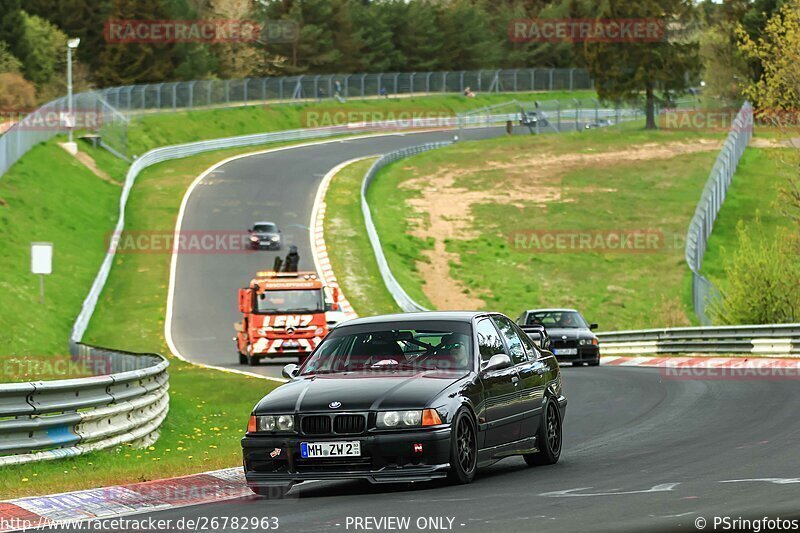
(316, 425)
(560, 343)
(349, 424)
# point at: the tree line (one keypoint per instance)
(363, 36)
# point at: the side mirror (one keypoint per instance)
(245, 300)
(249, 230)
(497, 362)
(592, 326)
(290, 371)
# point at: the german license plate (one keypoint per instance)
(310, 450)
(291, 344)
(566, 351)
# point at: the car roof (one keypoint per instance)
(264, 223)
(554, 310)
(457, 316)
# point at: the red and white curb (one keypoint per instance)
(318, 248)
(710, 362)
(122, 500)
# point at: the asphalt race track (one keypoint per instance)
(641, 450)
(278, 187)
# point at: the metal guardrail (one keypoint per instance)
(125, 402)
(110, 109)
(770, 339)
(406, 303)
(708, 207)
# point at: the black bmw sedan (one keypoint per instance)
(571, 337)
(409, 397)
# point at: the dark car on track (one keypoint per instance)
(266, 236)
(571, 337)
(409, 397)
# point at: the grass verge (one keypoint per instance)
(754, 190)
(348, 246)
(154, 130)
(603, 182)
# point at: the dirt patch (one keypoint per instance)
(446, 207)
(89, 162)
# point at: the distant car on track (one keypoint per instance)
(570, 335)
(265, 235)
(408, 397)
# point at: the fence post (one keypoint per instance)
(551, 79)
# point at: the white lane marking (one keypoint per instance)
(179, 222)
(316, 231)
(664, 487)
(774, 480)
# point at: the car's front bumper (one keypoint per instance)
(386, 457)
(265, 245)
(585, 354)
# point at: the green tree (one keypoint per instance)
(131, 63)
(380, 27)
(8, 62)
(625, 70)
(41, 49)
(776, 92)
(761, 280)
(421, 39)
(468, 42)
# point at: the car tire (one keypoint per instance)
(548, 438)
(242, 359)
(595, 363)
(463, 448)
(252, 360)
(577, 363)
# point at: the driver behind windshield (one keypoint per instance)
(392, 350)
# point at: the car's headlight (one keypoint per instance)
(282, 423)
(582, 342)
(254, 238)
(408, 419)
(276, 238)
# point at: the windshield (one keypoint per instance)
(386, 347)
(302, 300)
(265, 228)
(556, 319)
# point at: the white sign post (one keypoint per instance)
(41, 263)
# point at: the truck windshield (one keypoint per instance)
(302, 300)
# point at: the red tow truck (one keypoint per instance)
(284, 314)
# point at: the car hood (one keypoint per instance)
(261, 235)
(558, 334)
(358, 391)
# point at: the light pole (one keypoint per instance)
(72, 44)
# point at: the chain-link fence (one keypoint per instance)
(106, 112)
(713, 196)
(171, 97)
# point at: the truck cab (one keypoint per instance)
(284, 314)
